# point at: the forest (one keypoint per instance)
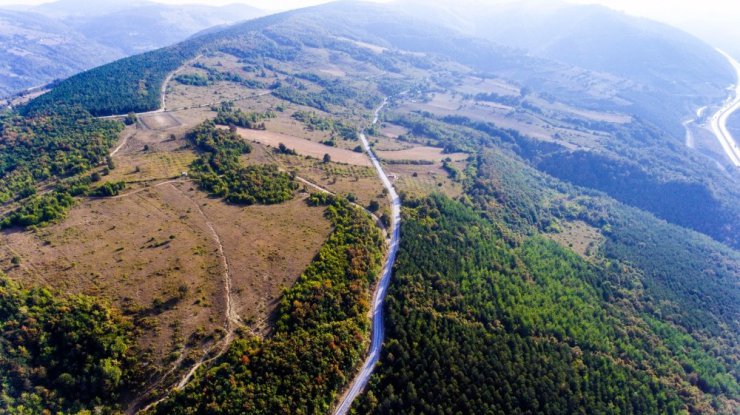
(680, 270)
(54, 148)
(62, 354)
(482, 321)
(129, 85)
(320, 335)
(227, 115)
(50, 144)
(220, 172)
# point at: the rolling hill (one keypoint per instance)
(37, 49)
(55, 40)
(640, 163)
(560, 252)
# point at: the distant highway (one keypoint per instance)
(358, 384)
(718, 121)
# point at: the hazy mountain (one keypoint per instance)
(143, 26)
(37, 49)
(660, 61)
(59, 39)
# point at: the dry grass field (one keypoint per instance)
(135, 251)
(154, 250)
(473, 85)
(422, 180)
(541, 127)
(361, 181)
(140, 249)
(305, 147)
(151, 165)
(582, 238)
(392, 130)
(424, 153)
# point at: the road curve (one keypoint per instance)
(361, 379)
(718, 122)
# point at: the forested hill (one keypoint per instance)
(560, 253)
(393, 27)
(640, 164)
(132, 84)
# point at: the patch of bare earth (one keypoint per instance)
(582, 238)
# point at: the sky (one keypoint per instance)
(670, 11)
(713, 20)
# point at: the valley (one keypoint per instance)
(312, 213)
(719, 120)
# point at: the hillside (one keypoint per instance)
(555, 256)
(37, 50)
(55, 40)
(652, 61)
(152, 25)
(638, 163)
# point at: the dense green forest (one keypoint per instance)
(486, 317)
(215, 75)
(687, 276)
(62, 354)
(322, 327)
(220, 172)
(131, 84)
(194, 79)
(483, 322)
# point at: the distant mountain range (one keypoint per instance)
(657, 63)
(55, 40)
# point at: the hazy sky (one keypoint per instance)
(666, 10)
(708, 16)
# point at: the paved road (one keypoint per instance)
(719, 120)
(358, 384)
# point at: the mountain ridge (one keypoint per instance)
(85, 37)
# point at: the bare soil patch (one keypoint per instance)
(159, 121)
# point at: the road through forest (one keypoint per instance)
(378, 330)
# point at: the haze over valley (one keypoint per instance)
(359, 207)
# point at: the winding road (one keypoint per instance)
(718, 122)
(361, 379)
(233, 321)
